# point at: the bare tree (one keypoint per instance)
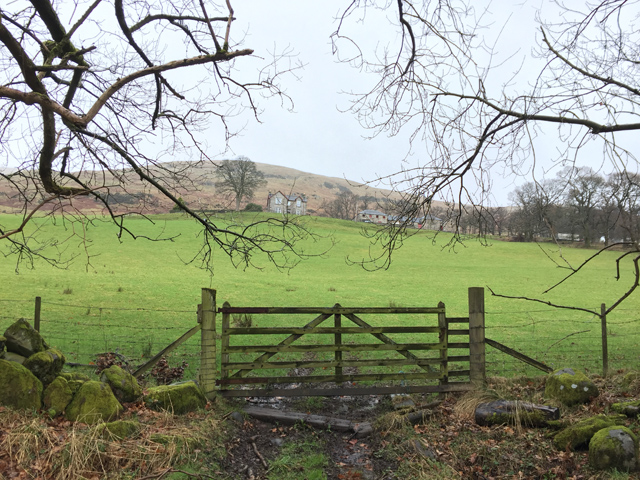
(96, 96)
(478, 104)
(582, 198)
(240, 178)
(343, 206)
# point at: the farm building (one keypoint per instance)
(295, 204)
(372, 216)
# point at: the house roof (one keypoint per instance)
(293, 197)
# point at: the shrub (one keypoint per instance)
(253, 207)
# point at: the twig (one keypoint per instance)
(565, 337)
(255, 449)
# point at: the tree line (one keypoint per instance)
(578, 204)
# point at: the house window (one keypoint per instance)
(278, 201)
(298, 203)
(278, 210)
(289, 203)
(297, 211)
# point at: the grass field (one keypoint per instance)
(137, 296)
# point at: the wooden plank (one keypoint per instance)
(329, 348)
(443, 336)
(347, 391)
(458, 358)
(380, 336)
(476, 335)
(291, 418)
(520, 356)
(338, 342)
(287, 341)
(224, 342)
(328, 310)
(358, 377)
(458, 332)
(141, 370)
(457, 319)
(383, 362)
(333, 330)
(464, 345)
(208, 362)
(459, 373)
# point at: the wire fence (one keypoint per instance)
(83, 332)
(556, 338)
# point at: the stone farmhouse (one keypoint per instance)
(295, 204)
(372, 216)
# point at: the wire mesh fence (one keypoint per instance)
(554, 337)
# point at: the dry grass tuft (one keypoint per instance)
(465, 407)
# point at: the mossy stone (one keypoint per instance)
(74, 376)
(23, 339)
(180, 398)
(570, 386)
(630, 409)
(20, 388)
(57, 396)
(94, 402)
(124, 385)
(577, 436)
(46, 365)
(3, 341)
(120, 428)
(614, 447)
(630, 378)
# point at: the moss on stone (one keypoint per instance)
(630, 409)
(23, 339)
(119, 429)
(614, 447)
(181, 398)
(94, 402)
(577, 436)
(25, 391)
(57, 396)
(74, 376)
(570, 386)
(124, 385)
(629, 379)
(46, 365)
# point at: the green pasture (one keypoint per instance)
(136, 296)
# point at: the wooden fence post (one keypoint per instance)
(605, 346)
(477, 367)
(443, 339)
(208, 370)
(36, 314)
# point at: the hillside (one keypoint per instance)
(202, 194)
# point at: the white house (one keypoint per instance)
(295, 204)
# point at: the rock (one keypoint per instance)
(20, 388)
(577, 436)
(569, 386)
(14, 357)
(180, 398)
(629, 379)
(94, 402)
(507, 412)
(402, 402)
(75, 385)
(57, 396)
(238, 417)
(614, 447)
(124, 385)
(75, 376)
(3, 341)
(119, 429)
(424, 451)
(45, 365)
(23, 339)
(630, 409)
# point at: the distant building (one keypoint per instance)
(295, 204)
(372, 216)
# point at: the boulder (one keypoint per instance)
(630, 378)
(3, 341)
(178, 398)
(57, 396)
(74, 376)
(119, 429)
(630, 409)
(577, 436)
(614, 447)
(507, 412)
(20, 388)
(45, 365)
(23, 339)
(94, 402)
(124, 385)
(14, 357)
(570, 386)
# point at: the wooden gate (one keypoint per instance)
(427, 361)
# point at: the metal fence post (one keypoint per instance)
(208, 370)
(477, 366)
